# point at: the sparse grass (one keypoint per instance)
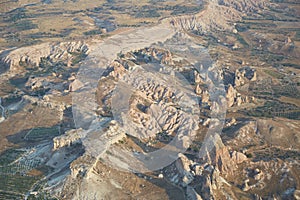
(274, 74)
(24, 25)
(48, 21)
(295, 101)
(242, 27)
(17, 14)
(93, 32)
(272, 109)
(10, 196)
(297, 66)
(275, 153)
(269, 57)
(78, 56)
(178, 9)
(242, 41)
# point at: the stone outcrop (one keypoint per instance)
(116, 70)
(222, 158)
(231, 95)
(154, 112)
(226, 161)
(239, 78)
(32, 55)
(246, 186)
(155, 55)
(198, 89)
(198, 78)
(205, 97)
(167, 58)
(58, 106)
(45, 83)
(99, 140)
(210, 19)
(183, 166)
(235, 98)
(244, 75)
(244, 5)
(70, 138)
(205, 188)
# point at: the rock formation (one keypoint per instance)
(116, 70)
(244, 5)
(210, 20)
(75, 85)
(32, 55)
(231, 96)
(70, 138)
(183, 166)
(244, 75)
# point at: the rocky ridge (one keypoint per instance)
(15, 59)
(209, 19)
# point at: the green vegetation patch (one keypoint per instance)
(297, 34)
(93, 32)
(10, 196)
(9, 156)
(276, 109)
(42, 133)
(41, 196)
(147, 12)
(17, 183)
